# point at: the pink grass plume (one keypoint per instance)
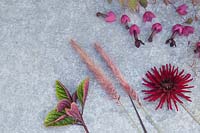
(97, 71)
(127, 88)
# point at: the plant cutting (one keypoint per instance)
(102, 78)
(67, 111)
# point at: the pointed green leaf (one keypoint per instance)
(189, 21)
(55, 118)
(143, 3)
(82, 91)
(61, 91)
(133, 4)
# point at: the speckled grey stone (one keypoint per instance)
(34, 52)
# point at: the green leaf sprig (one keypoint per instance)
(67, 111)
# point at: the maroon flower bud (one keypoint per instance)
(125, 20)
(176, 29)
(135, 30)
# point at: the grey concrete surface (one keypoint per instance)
(34, 52)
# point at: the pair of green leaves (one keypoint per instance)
(134, 4)
(60, 118)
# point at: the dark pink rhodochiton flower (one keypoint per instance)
(176, 29)
(182, 9)
(134, 31)
(108, 17)
(156, 28)
(167, 85)
(148, 16)
(125, 20)
(187, 30)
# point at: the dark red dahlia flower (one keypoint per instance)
(168, 85)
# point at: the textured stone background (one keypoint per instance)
(34, 52)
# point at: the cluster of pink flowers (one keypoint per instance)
(134, 30)
(156, 27)
(180, 30)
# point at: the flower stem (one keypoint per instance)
(86, 129)
(143, 127)
(191, 115)
(173, 34)
(150, 39)
(98, 14)
(84, 125)
(150, 119)
(130, 118)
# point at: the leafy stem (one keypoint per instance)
(67, 111)
(84, 125)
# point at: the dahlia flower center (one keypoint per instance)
(167, 85)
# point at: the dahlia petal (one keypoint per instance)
(154, 78)
(187, 81)
(188, 87)
(146, 81)
(184, 96)
(151, 91)
(151, 77)
(155, 97)
(183, 91)
(156, 73)
(177, 99)
(169, 104)
(174, 102)
(181, 73)
(170, 68)
(162, 100)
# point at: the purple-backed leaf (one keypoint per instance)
(74, 112)
(62, 92)
(62, 104)
(82, 91)
(74, 96)
(55, 118)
